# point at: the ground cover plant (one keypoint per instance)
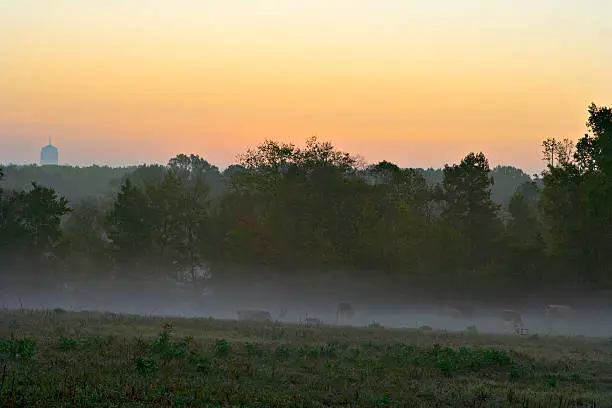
(57, 358)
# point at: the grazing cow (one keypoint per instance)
(512, 318)
(559, 312)
(344, 310)
(259, 316)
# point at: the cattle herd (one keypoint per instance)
(344, 313)
(511, 319)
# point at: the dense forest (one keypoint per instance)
(313, 211)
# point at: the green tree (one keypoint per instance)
(5, 218)
(524, 260)
(31, 221)
(131, 230)
(557, 152)
(166, 204)
(507, 180)
(85, 234)
(41, 215)
(576, 204)
(195, 176)
(403, 216)
(160, 223)
(600, 124)
(299, 202)
(145, 175)
(524, 223)
(466, 191)
(407, 186)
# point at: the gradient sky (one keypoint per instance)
(420, 83)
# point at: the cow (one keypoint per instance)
(259, 316)
(512, 318)
(344, 310)
(559, 312)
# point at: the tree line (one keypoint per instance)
(84, 183)
(303, 211)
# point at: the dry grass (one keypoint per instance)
(55, 358)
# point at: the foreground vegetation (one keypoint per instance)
(55, 358)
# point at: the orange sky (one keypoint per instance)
(419, 83)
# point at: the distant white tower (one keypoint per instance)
(49, 155)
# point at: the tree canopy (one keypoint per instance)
(294, 210)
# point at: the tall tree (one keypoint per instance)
(131, 229)
(576, 203)
(298, 198)
(30, 222)
(196, 176)
(41, 215)
(523, 260)
(87, 226)
(5, 218)
(403, 216)
(600, 124)
(524, 223)
(557, 152)
(466, 190)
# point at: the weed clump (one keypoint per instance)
(17, 349)
(166, 348)
(466, 359)
(145, 366)
(222, 348)
(67, 343)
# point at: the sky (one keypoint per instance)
(420, 83)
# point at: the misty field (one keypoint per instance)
(85, 359)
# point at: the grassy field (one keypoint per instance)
(60, 359)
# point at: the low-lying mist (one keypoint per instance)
(590, 319)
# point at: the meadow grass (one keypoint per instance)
(86, 359)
